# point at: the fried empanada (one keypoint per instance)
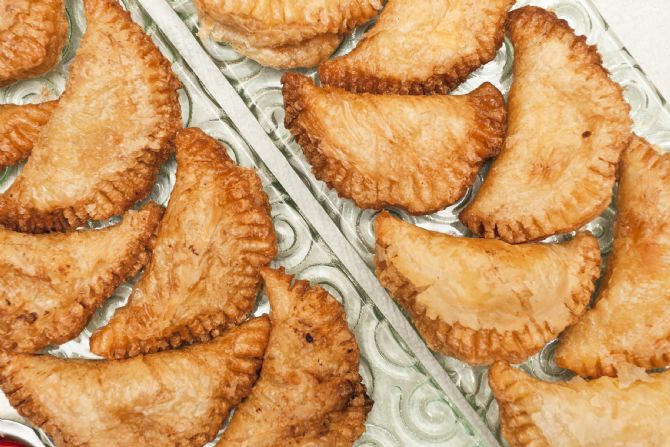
(484, 300)
(176, 398)
(310, 391)
(50, 284)
(100, 152)
(602, 412)
(20, 127)
(421, 47)
(417, 153)
(631, 320)
(568, 124)
(32, 36)
(284, 34)
(204, 273)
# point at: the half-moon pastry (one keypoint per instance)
(101, 150)
(50, 284)
(568, 124)
(484, 300)
(20, 127)
(32, 36)
(204, 273)
(421, 47)
(284, 34)
(631, 320)
(175, 398)
(310, 392)
(420, 153)
(602, 412)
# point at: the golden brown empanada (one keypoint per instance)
(32, 36)
(602, 412)
(310, 391)
(483, 300)
(417, 153)
(284, 34)
(20, 127)
(176, 398)
(205, 270)
(631, 320)
(421, 47)
(112, 128)
(568, 124)
(50, 284)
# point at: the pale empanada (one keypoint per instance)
(421, 47)
(50, 284)
(568, 124)
(284, 34)
(310, 392)
(20, 127)
(101, 150)
(484, 300)
(175, 398)
(32, 36)
(631, 320)
(602, 412)
(417, 153)
(204, 273)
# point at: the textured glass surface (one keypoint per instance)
(410, 409)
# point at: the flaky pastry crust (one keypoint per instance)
(483, 300)
(310, 392)
(417, 153)
(568, 124)
(178, 398)
(421, 47)
(101, 150)
(51, 284)
(602, 412)
(306, 54)
(204, 274)
(631, 319)
(32, 36)
(20, 127)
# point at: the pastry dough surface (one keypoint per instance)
(20, 127)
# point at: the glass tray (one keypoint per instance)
(421, 399)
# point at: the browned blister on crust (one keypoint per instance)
(419, 153)
(631, 319)
(20, 127)
(204, 274)
(310, 390)
(483, 300)
(284, 34)
(421, 47)
(101, 150)
(568, 124)
(51, 284)
(178, 398)
(602, 412)
(32, 36)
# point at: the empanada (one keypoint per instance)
(50, 284)
(421, 47)
(484, 300)
(283, 33)
(176, 398)
(568, 124)
(602, 412)
(204, 273)
(100, 152)
(631, 320)
(20, 127)
(32, 36)
(417, 153)
(310, 391)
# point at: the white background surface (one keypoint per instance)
(644, 28)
